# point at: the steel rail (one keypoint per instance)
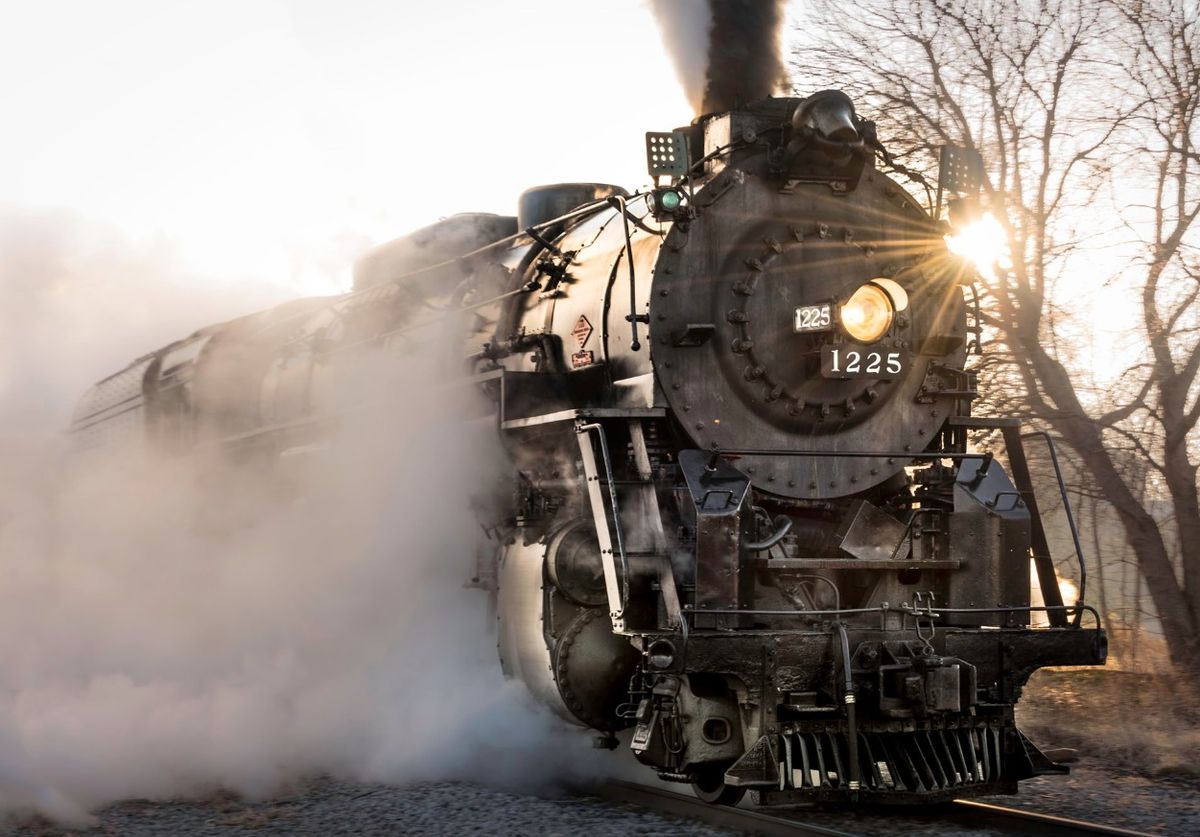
(956, 816)
(1032, 823)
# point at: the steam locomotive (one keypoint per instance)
(745, 520)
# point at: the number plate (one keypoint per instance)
(847, 361)
(813, 318)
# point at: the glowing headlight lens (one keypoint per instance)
(867, 314)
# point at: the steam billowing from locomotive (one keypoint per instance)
(173, 624)
(727, 53)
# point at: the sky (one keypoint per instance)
(278, 139)
(270, 142)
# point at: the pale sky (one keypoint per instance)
(276, 139)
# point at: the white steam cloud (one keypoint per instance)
(80, 300)
(173, 626)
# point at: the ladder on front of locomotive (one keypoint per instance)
(861, 639)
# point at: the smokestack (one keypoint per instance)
(726, 52)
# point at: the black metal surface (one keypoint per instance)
(592, 668)
(742, 267)
(989, 519)
(718, 492)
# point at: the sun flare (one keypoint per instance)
(983, 242)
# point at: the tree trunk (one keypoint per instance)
(1180, 627)
(1153, 558)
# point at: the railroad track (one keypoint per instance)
(960, 817)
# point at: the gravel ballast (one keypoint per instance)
(332, 807)
(329, 807)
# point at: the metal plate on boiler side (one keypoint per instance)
(869, 533)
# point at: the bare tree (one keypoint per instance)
(1068, 100)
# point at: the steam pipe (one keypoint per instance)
(785, 526)
(851, 716)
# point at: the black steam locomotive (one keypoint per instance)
(745, 521)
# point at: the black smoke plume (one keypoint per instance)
(744, 60)
(726, 52)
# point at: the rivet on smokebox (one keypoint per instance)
(699, 425)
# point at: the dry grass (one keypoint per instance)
(1141, 723)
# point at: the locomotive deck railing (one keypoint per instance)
(905, 610)
(615, 558)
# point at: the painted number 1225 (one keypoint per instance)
(843, 362)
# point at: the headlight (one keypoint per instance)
(868, 313)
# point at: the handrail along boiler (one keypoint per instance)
(745, 520)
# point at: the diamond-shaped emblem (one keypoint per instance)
(582, 330)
